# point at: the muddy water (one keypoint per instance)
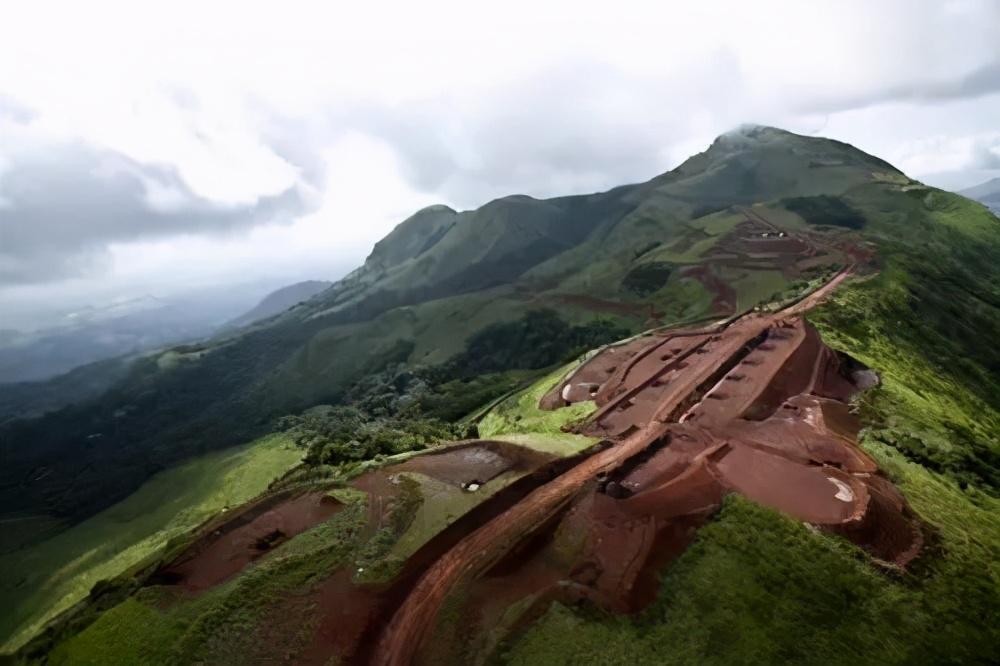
(477, 462)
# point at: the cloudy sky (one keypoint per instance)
(155, 147)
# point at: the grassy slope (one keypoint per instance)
(520, 414)
(759, 588)
(41, 581)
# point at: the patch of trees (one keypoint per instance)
(485, 370)
(647, 278)
(538, 339)
(337, 434)
(826, 210)
(398, 409)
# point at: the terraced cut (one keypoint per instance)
(754, 405)
(494, 532)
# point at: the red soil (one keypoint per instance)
(224, 552)
(663, 477)
(342, 613)
(755, 405)
(593, 374)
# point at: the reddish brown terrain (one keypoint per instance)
(755, 405)
(227, 547)
(225, 550)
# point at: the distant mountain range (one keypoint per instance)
(987, 193)
(96, 333)
(278, 301)
(134, 326)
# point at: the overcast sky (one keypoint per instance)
(153, 147)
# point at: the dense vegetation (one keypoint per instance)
(335, 435)
(496, 360)
(825, 209)
(537, 340)
(646, 278)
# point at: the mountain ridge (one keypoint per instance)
(987, 193)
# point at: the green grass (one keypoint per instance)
(519, 414)
(688, 255)
(41, 581)
(754, 287)
(441, 505)
(682, 299)
(718, 224)
(560, 444)
(926, 323)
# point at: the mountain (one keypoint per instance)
(987, 193)
(750, 402)
(125, 327)
(278, 301)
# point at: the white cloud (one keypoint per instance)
(371, 110)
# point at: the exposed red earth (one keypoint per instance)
(224, 551)
(754, 405)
